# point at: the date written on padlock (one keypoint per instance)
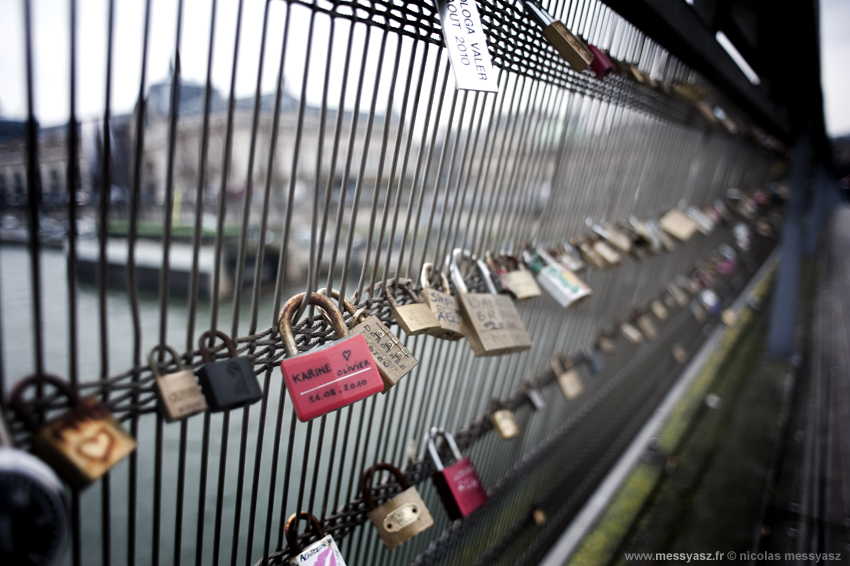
(83, 443)
(444, 307)
(331, 376)
(400, 518)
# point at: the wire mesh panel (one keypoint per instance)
(293, 146)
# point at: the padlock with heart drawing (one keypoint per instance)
(323, 552)
(83, 443)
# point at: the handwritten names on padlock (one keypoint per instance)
(497, 326)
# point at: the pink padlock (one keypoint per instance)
(601, 64)
(458, 485)
(331, 376)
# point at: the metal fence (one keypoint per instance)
(361, 163)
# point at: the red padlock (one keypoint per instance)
(601, 64)
(331, 376)
(458, 485)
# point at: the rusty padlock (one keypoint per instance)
(415, 318)
(492, 322)
(398, 519)
(179, 394)
(323, 552)
(503, 419)
(331, 376)
(457, 484)
(227, 384)
(83, 443)
(443, 305)
(567, 376)
(392, 358)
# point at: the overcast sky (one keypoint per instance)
(51, 63)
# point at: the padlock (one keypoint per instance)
(601, 64)
(589, 254)
(323, 552)
(415, 318)
(179, 393)
(707, 113)
(230, 383)
(670, 301)
(678, 224)
(392, 358)
(83, 443)
(331, 376)
(666, 241)
(647, 235)
(689, 92)
(401, 518)
(503, 419)
(659, 310)
(631, 333)
(615, 237)
(679, 353)
(698, 311)
(519, 280)
(492, 322)
(457, 484)
(594, 361)
(567, 376)
(562, 284)
(537, 401)
(677, 293)
(607, 253)
(569, 257)
(443, 306)
(570, 47)
(646, 326)
(703, 222)
(605, 343)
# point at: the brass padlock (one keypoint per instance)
(659, 310)
(392, 358)
(415, 318)
(567, 376)
(80, 445)
(678, 224)
(443, 306)
(503, 420)
(401, 518)
(518, 279)
(689, 92)
(570, 47)
(647, 327)
(493, 324)
(179, 393)
(631, 333)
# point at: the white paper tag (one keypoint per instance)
(467, 45)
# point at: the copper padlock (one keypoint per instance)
(567, 376)
(323, 552)
(392, 358)
(494, 326)
(443, 306)
(415, 318)
(83, 443)
(400, 518)
(179, 393)
(503, 420)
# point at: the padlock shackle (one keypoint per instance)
(206, 355)
(407, 290)
(155, 366)
(425, 279)
(366, 481)
(19, 406)
(432, 447)
(291, 530)
(349, 307)
(291, 307)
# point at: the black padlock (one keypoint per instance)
(227, 384)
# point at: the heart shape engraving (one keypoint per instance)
(346, 354)
(98, 446)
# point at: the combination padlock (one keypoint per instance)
(392, 358)
(229, 383)
(562, 284)
(33, 511)
(331, 376)
(457, 484)
(570, 47)
(80, 445)
(401, 518)
(493, 324)
(503, 419)
(567, 376)
(415, 318)
(179, 394)
(443, 305)
(323, 552)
